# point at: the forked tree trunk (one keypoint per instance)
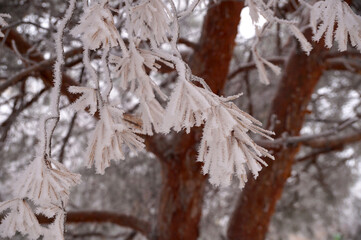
(257, 201)
(181, 199)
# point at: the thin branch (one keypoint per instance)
(36, 67)
(335, 141)
(318, 152)
(66, 138)
(187, 43)
(252, 65)
(5, 126)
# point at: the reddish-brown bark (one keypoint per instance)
(181, 199)
(257, 201)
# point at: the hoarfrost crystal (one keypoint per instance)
(96, 27)
(225, 145)
(151, 19)
(187, 107)
(20, 219)
(329, 12)
(130, 68)
(56, 229)
(45, 181)
(108, 138)
(152, 114)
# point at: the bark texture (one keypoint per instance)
(181, 198)
(257, 201)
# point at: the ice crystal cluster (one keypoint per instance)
(323, 19)
(151, 29)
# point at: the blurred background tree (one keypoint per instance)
(311, 190)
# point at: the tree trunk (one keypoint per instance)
(257, 202)
(181, 198)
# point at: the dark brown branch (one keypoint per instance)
(346, 54)
(181, 198)
(187, 43)
(121, 220)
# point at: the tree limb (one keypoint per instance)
(121, 220)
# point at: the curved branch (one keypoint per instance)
(121, 220)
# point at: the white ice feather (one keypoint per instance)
(96, 27)
(151, 20)
(45, 181)
(325, 14)
(226, 146)
(108, 138)
(187, 107)
(20, 219)
(130, 68)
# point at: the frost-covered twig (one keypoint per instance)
(55, 93)
(260, 8)
(261, 62)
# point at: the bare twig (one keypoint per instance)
(5, 126)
